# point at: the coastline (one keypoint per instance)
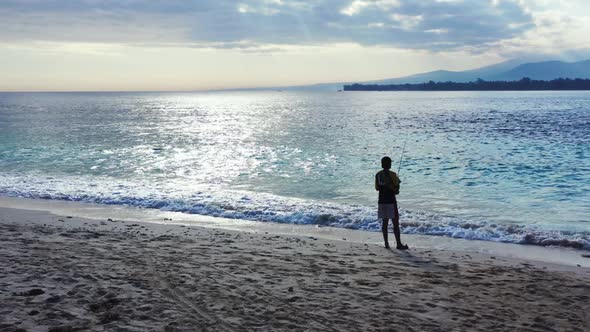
(65, 272)
(564, 258)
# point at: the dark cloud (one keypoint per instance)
(430, 24)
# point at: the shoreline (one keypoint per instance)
(64, 273)
(566, 257)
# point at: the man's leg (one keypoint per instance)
(384, 230)
(396, 230)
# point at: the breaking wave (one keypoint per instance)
(271, 208)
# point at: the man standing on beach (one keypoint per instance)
(387, 183)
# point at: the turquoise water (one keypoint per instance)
(500, 166)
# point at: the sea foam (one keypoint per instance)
(272, 208)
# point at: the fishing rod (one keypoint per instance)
(402, 155)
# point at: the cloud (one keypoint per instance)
(356, 6)
(559, 31)
(430, 25)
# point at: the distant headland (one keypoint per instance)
(525, 84)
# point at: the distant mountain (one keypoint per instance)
(546, 70)
(511, 70)
(453, 76)
(437, 76)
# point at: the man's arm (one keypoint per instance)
(396, 178)
(377, 187)
(395, 182)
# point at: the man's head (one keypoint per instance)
(386, 162)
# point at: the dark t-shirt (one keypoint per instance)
(387, 183)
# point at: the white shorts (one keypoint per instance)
(386, 211)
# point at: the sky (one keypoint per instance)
(162, 45)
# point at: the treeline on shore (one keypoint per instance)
(480, 85)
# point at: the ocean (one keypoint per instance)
(499, 166)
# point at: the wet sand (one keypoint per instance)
(66, 274)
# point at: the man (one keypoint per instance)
(387, 183)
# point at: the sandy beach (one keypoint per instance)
(64, 273)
